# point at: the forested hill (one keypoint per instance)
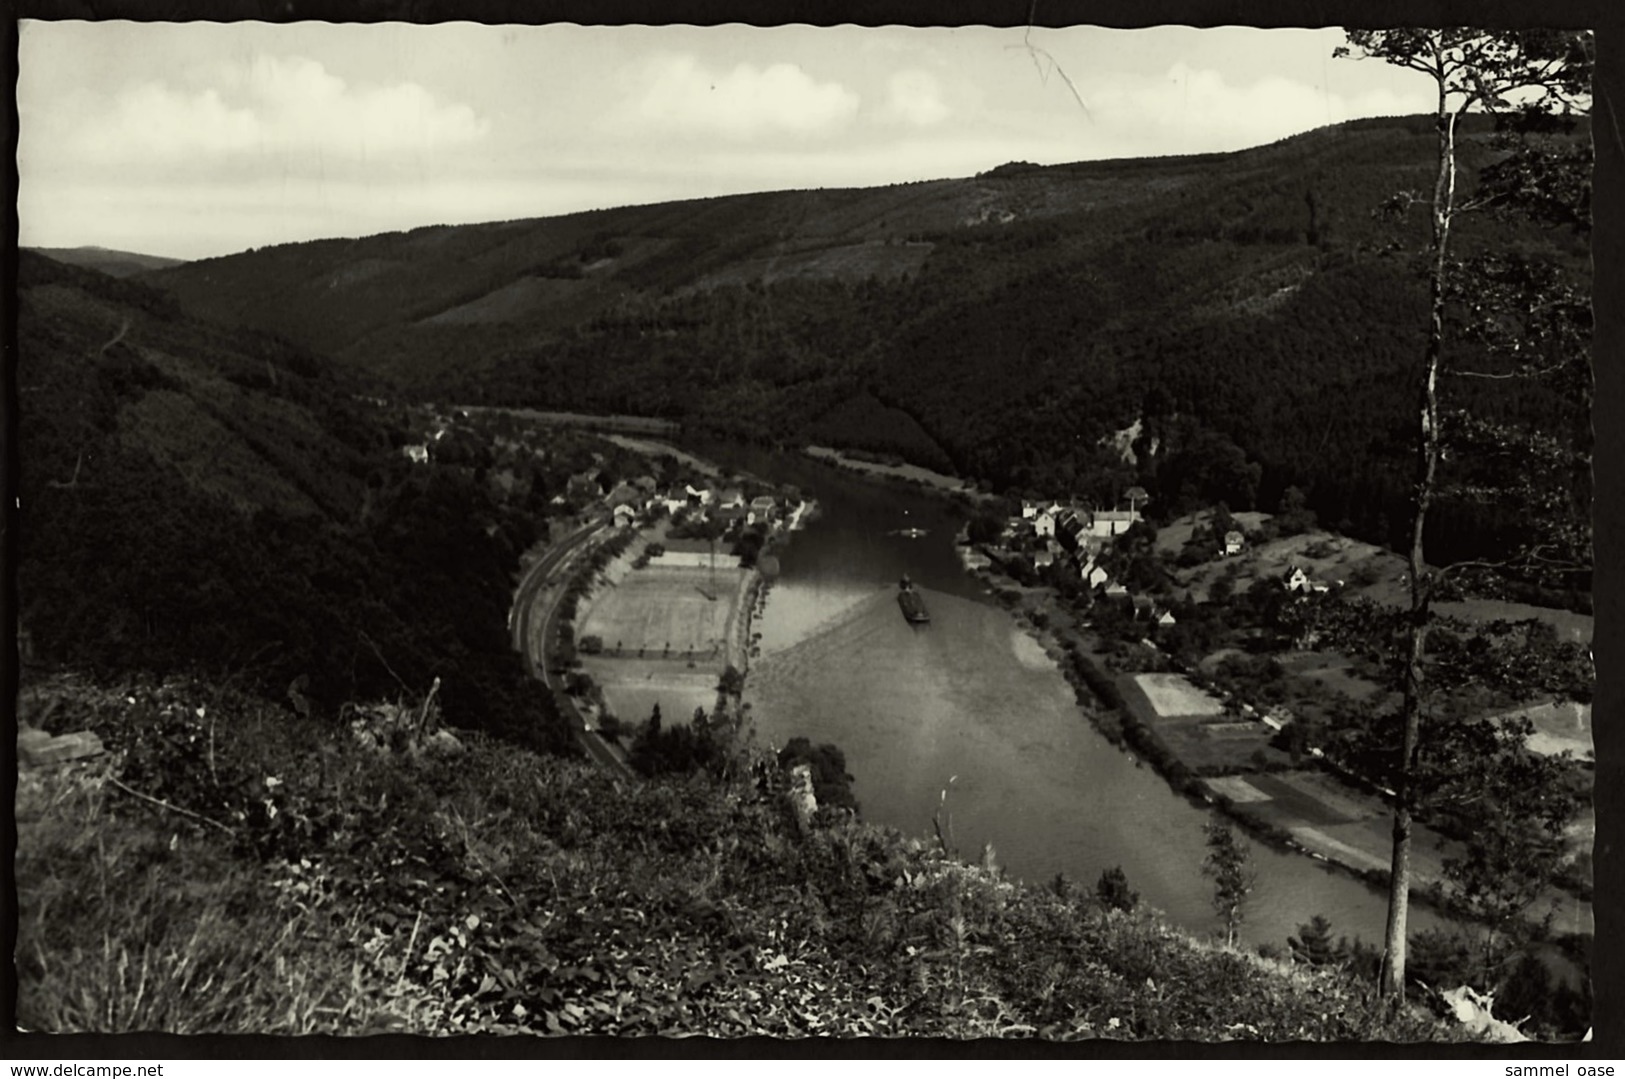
(110, 262)
(1251, 309)
(222, 502)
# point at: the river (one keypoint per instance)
(970, 704)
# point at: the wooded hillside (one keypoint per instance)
(1250, 309)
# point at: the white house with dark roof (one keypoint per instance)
(1298, 580)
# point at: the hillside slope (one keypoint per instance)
(112, 263)
(408, 304)
(1250, 309)
(201, 499)
(343, 889)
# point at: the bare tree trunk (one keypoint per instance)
(1392, 982)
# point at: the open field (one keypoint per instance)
(1570, 625)
(1332, 670)
(1207, 747)
(1559, 727)
(632, 687)
(1339, 558)
(1324, 556)
(1172, 538)
(1173, 695)
(1316, 798)
(663, 609)
(1184, 718)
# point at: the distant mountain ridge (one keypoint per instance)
(401, 304)
(1253, 309)
(108, 261)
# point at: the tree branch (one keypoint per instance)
(1535, 372)
(172, 808)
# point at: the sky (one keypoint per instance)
(197, 139)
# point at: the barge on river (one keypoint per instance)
(913, 606)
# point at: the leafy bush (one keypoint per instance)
(499, 892)
(1113, 892)
(832, 783)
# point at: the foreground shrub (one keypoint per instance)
(498, 891)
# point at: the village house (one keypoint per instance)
(1233, 542)
(1166, 618)
(731, 496)
(1044, 524)
(1108, 523)
(1043, 558)
(625, 494)
(418, 454)
(1094, 576)
(1297, 580)
(763, 508)
(625, 516)
(1069, 531)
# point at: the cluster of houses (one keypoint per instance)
(1075, 536)
(629, 498)
(512, 473)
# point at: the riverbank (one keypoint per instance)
(1300, 810)
(666, 631)
(754, 587)
(913, 475)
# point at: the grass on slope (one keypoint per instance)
(346, 889)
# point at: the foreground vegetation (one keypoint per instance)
(230, 866)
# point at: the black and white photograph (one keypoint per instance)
(1049, 532)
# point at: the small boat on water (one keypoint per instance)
(913, 606)
(911, 533)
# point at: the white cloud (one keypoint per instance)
(914, 97)
(271, 107)
(1197, 110)
(679, 94)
